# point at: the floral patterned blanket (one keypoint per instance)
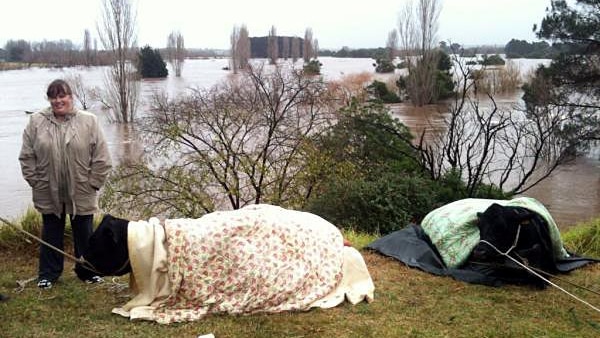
(260, 258)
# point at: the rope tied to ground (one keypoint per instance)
(506, 254)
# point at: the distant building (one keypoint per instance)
(2, 55)
(259, 46)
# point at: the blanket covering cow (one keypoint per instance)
(260, 258)
(453, 230)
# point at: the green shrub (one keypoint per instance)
(384, 65)
(444, 61)
(375, 207)
(313, 67)
(381, 93)
(494, 60)
(151, 63)
(381, 187)
(445, 84)
(402, 65)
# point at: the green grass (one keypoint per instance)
(584, 238)
(358, 240)
(408, 303)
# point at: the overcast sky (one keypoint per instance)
(335, 23)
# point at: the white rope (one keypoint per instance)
(537, 274)
(22, 283)
(84, 264)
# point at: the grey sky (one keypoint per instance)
(335, 23)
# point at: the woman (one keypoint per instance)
(65, 160)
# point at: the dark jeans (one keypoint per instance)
(53, 229)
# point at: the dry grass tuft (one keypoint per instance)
(351, 86)
(499, 80)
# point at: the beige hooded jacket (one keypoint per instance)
(86, 161)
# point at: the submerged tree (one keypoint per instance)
(308, 51)
(487, 146)
(392, 44)
(273, 46)
(417, 32)
(240, 48)
(82, 94)
(243, 48)
(117, 34)
(151, 63)
(176, 52)
(87, 48)
(240, 142)
(295, 49)
(233, 51)
(285, 48)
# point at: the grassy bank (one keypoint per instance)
(408, 302)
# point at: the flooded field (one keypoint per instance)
(572, 193)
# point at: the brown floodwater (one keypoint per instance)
(572, 193)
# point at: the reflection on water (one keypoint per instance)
(572, 193)
(123, 142)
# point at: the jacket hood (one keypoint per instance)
(49, 114)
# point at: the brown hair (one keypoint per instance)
(58, 88)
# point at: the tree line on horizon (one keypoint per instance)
(66, 53)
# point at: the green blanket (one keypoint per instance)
(453, 227)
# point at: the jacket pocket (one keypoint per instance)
(42, 182)
(41, 195)
(82, 184)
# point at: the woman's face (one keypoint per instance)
(62, 104)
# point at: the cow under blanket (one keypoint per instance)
(260, 258)
(453, 229)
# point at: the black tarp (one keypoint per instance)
(412, 246)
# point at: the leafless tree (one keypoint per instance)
(240, 142)
(87, 47)
(308, 51)
(176, 52)
(392, 44)
(285, 52)
(243, 48)
(95, 49)
(233, 52)
(240, 48)
(295, 49)
(485, 143)
(273, 46)
(61, 53)
(417, 31)
(82, 94)
(116, 30)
